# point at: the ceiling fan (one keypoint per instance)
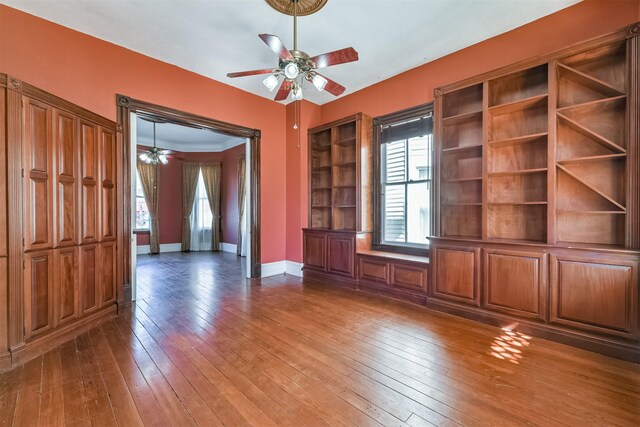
(154, 155)
(296, 66)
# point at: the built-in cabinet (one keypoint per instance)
(58, 202)
(538, 194)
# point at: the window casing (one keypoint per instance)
(403, 180)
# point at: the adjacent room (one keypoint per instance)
(320, 213)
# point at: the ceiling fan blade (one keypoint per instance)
(276, 46)
(332, 87)
(250, 73)
(336, 57)
(284, 90)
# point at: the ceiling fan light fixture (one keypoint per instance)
(296, 93)
(271, 82)
(291, 70)
(319, 82)
(144, 157)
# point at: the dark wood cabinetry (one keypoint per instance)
(537, 213)
(59, 204)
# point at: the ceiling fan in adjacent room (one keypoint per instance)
(295, 66)
(154, 155)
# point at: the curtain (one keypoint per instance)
(211, 174)
(190, 173)
(150, 179)
(201, 219)
(241, 202)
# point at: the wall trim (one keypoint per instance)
(282, 267)
(228, 247)
(164, 247)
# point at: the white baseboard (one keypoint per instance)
(293, 268)
(281, 267)
(164, 247)
(228, 247)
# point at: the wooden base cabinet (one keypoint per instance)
(393, 275)
(66, 284)
(583, 297)
(38, 293)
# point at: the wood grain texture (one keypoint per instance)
(216, 349)
(455, 276)
(66, 153)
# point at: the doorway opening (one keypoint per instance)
(184, 178)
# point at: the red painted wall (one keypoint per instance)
(170, 198)
(577, 23)
(90, 72)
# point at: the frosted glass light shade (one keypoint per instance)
(270, 82)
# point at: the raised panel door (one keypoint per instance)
(65, 143)
(409, 276)
(107, 273)
(89, 277)
(515, 283)
(89, 182)
(38, 175)
(373, 270)
(67, 271)
(38, 295)
(108, 186)
(456, 275)
(341, 254)
(315, 250)
(599, 295)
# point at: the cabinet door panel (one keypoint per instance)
(38, 165)
(66, 153)
(409, 276)
(599, 296)
(89, 279)
(315, 250)
(107, 273)
(66, 284)
(108, 177)
(38, 292)
(341, 255)
(90, 179)
(515, 283)
(456, 275)
(373, 270)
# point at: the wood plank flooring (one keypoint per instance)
(203, 346)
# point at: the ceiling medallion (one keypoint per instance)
(305, 7)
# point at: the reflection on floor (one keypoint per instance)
(204, 346)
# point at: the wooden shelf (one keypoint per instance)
(592, 212)
(321, 168)
(592, 158)
(593, 103)
(344, 186)
(462, 204)
(518, 172)
(320, 207)
(462, 148)
(522, 104)
(516, 203)
(344, 206)
(346, 142)
(321, 148)
(591, 134)
(320, 188)
(460, 118)
(345, 165)
(594, 189)
(518, 140)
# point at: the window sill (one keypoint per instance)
(395, 256)
(420, 251)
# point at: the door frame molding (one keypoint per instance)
(125, 106)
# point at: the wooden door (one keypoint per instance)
(65, 284)
(455, 275)
(341, 254)
(315, 250)
(90, 177)
(107, 272)
(89, 277)
(598, 294)
(108, 180)
(515, 282)
(38, 293)
(38, 176)
(65, 145)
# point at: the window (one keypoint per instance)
(403, 207)
(142, 211)
(201, 210)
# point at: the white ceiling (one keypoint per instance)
(182, 138)
(214, 37)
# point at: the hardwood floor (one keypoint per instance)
(204, 346)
